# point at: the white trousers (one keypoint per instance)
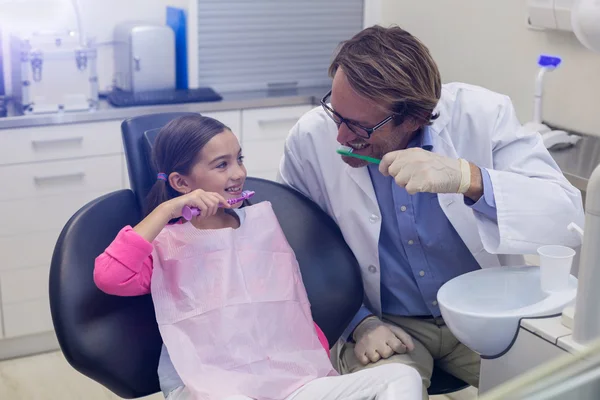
(385, 382)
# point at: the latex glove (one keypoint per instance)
(418, 170)
(376, 339)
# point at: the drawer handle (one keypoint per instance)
(75, 176)
(274, 120)
(56, 142)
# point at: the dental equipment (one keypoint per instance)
(551, 138)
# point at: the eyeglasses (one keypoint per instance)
(357, 129)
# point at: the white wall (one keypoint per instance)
(98, 16)
(487, 43)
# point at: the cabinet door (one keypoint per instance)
(264, 133)
(58, 142)
(24, 284)
(270, 175)
(1, 327)
(25, 301)
(27, 318)
(60, 178)
(17, 249)
(273, 123)
(38, 214)
(528, 351)
(229, 118)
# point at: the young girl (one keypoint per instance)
(227, 290)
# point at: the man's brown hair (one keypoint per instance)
(393, 68)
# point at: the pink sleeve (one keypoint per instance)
(125, 267)
(322, 339)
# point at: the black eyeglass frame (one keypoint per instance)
(351, 125)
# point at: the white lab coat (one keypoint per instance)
(534, 201)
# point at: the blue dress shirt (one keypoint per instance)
(419, 250)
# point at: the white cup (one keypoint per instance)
(555, 267)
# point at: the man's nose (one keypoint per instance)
(345, 135)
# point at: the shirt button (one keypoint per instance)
(374, 218)
(411, 242)
(403, 208)
(372, 269)
(422, 273)
(434, 303)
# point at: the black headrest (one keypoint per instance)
(139, 164)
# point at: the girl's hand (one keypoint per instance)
(207, 202)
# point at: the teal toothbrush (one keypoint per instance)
(347, 151)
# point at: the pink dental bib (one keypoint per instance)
(233, 312)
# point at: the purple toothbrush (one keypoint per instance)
(190, 212)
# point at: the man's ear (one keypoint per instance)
(411, 125)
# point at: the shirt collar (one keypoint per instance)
(422, 139)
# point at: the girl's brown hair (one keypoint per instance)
(176, 149)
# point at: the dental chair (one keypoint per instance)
(115, 340)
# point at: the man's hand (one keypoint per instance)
(418, 170)
(376, 339)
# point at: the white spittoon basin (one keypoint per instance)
(483, 308)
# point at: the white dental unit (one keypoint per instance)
(503, 313)
(548, 14)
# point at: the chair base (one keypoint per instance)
(444, 383)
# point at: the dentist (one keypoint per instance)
(460, 187)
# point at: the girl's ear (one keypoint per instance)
(179, 183)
